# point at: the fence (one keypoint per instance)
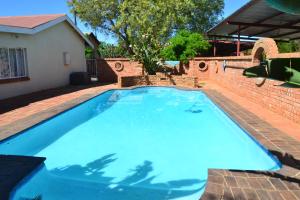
(92, 70)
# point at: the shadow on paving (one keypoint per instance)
(286, 160)
(13, 103)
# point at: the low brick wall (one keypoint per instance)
(109, 73)
(129, 81)
(158, 80)
(275, 95)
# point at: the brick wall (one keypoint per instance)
(158, 80)
(108, 73)
(274, 95)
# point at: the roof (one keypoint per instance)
(28, 21)
(36, 23)
(93, 38)
(258, 19)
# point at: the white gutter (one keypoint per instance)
(35, 30)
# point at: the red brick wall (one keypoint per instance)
(274, 95)
(194, 70)
(107, 73)
(158, 80)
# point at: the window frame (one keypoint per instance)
(12, 77)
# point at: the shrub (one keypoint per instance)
(185, 45)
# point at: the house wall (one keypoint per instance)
(45, 58)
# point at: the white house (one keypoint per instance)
(38, 52)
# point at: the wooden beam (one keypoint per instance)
(258, 22)
(264, 25)
(285, 34)
(237, 13)
(220, 41)
(297, 38)
(232, 37)
(272, 29)
(239, 42)
(215, 48)
(242, 38)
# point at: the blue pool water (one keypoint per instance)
(149, 143)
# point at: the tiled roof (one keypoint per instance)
(28, 21)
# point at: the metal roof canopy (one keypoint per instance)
(258, 19)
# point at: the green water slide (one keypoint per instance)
(288, 6)
(283, 69)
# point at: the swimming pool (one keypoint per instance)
(148, 143)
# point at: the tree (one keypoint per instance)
(106, 50)
(288, 47)
(184, 46)
(89, 53)
(204, 15)
(143, 26)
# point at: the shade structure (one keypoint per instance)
(259, 18)
(288, 6)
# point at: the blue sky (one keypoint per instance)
(32, 7)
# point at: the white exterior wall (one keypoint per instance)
(45, 58)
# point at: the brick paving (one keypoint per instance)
(19, 113)
(256, 185)
(278, 121)
(222, 184)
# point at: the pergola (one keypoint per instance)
(226, 47)
(257, 19)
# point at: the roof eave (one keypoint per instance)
(35, 30)
(249, 4)
(79, 32)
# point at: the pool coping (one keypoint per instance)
(14, 169)
(221, 184)
(283, 184)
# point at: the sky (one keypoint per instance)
(33, 7)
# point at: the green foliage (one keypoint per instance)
(184, 46)
(288, 47)
(112, 51)
(144, 26)
(204, 15)
(147, 52)
(89, 52)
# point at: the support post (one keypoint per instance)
(75, 18)
(239, 41)
(215, 48)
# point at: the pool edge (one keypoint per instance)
(249, 184)
(221, 184)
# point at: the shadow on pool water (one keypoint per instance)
(137, 185)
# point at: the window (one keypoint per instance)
(13, 63)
